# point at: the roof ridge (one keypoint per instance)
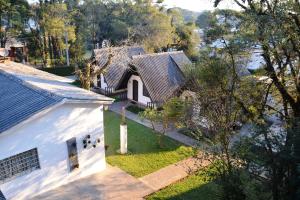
(157, 54)
(105, 48)
(38, 90)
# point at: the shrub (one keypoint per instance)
(60, 71)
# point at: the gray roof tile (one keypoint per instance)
(18, 101)
(122, 57)
(58, 85)
(25, 91)
(162, 73)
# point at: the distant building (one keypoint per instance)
(145, 79)
(17, 50)
(51, 132)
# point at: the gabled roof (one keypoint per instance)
(120, 62)
(18, 101)
(26, 91)
(162, 73)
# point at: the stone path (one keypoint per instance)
(171, 132)
(172, 173)
(111, 184)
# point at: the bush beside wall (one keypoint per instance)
(60, 71)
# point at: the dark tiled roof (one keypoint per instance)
(18, 101)
(181, 60)
(162, 73)
(120, 62)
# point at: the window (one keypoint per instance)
(19, 165)
(2, 197)
(145, 91)
(73, 155)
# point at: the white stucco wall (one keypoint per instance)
(103, 84)
(49, 134)
(141, 98)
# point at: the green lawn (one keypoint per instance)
(199, 186)
(146, 155)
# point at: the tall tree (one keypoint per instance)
(274, 25)
(13, 17)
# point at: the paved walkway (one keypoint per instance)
(115, 184)
(173, 173)
(112, 184)
(171, 132)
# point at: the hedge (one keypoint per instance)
(60, 71)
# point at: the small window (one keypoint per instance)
(145, 91)
(73, 155)
(2, 197)
(19, 165)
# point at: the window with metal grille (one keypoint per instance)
(19, 165)
(2, 197)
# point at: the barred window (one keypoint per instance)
(2, 197)
(19, 165)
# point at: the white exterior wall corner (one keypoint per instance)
(49, 134)
(141, 98)
(103, 83)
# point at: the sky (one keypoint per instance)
(199, 5)
(194, 5)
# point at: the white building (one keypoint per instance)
(51, 132)
(145, 79)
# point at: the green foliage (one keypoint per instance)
(56, 22)
(134, 109)
(258, 72)
(173, 111)
(132, 21)
(60, 71)
(13, 14)
(186, 16)
(76, 83)
(203, 20)
(188, 40)
(200, 185)
(153, 115)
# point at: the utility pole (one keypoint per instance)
(67, 48)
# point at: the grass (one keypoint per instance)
(134, 109)
(146, 155)
(195, 187)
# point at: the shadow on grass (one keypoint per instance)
(208, 191)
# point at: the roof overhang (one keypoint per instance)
(49, 109)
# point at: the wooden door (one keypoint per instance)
(135, 91)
